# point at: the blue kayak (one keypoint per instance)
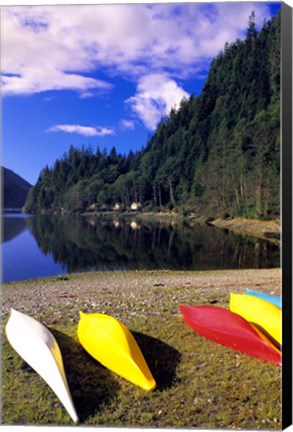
(274, 299)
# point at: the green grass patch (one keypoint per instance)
(200, 384)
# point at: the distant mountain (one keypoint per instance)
(15, 189)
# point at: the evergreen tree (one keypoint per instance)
(218, 152)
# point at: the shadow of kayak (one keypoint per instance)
(161, 358)
(92, 385)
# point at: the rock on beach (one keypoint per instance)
(131, 293)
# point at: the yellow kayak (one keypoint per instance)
(110, 342)
(266, 339)
(259, 312)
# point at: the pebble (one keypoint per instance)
(131, 292)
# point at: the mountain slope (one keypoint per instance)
(15, 189)
(218, 153)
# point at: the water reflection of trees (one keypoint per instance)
(80, 243)
(11, 228)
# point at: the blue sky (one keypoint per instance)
(104, 75)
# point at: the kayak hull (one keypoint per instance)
(260, 312)
(110, 342)
(275, 300)
(229, 329)
(39, 349)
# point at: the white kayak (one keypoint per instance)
(39, 349)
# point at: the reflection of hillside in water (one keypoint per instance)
(80, 243)
(12, 227)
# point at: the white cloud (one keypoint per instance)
(58, 47)
(156, 96)
(30, 82)
(87, 131)
(126, 124)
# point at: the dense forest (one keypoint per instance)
(217, 154)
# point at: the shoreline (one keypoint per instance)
(82, 289)
(269, 230)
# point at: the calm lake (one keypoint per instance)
(40, 246)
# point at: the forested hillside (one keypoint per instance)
(218, 153)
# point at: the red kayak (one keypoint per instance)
(227, 328)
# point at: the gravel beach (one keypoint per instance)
(132, 292)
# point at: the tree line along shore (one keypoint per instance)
(217, 154)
